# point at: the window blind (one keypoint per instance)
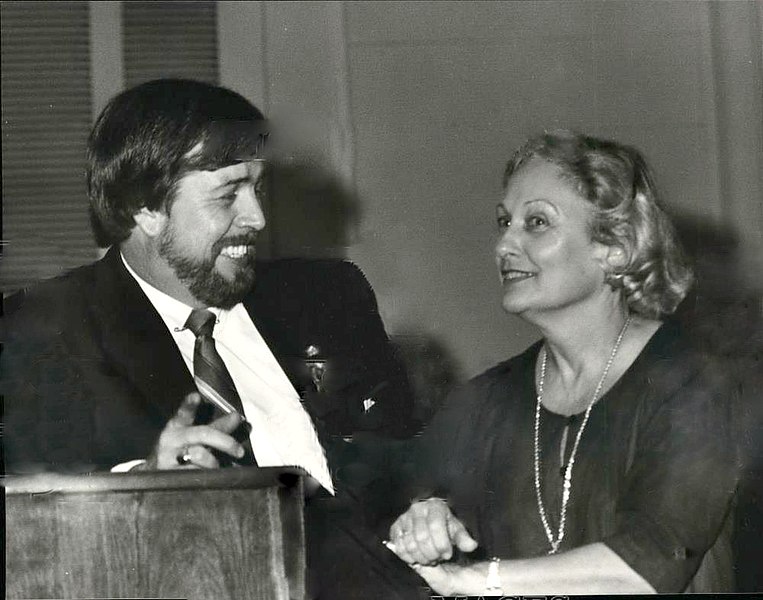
(170, 39)
(46, 114)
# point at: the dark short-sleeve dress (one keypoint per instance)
(654, 476)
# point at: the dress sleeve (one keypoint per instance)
(680, 484)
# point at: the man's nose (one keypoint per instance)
(249, 210)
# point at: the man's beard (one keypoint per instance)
(200, 275)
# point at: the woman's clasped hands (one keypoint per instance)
(427, 533)
(424, 537)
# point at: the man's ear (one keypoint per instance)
(150, 222)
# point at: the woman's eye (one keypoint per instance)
(537, 222)
(503, 222)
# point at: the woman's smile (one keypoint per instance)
(512, 276)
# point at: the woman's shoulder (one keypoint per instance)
(672, 346)
(671, 361)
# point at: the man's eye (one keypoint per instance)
(229, 196)
(503, 222)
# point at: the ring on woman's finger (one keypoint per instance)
(184, 457)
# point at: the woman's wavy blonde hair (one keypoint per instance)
(616, 180)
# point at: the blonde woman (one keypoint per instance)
(601, 459)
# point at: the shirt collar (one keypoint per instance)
(174, 312)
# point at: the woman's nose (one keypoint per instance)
(507, 244)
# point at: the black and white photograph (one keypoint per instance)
(407, 300)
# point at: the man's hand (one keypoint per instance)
(181, 437)
(427, 532)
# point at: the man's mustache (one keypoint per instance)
(249, 239)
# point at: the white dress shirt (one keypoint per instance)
(282, 432)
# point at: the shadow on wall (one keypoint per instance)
(431, 370)
(724, 316)
(313, 213)
(723, 309)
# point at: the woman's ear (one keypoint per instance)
(150, 222)
(617, 258)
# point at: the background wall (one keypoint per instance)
(400, 116)
(420, 104)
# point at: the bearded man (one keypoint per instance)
(116, 365)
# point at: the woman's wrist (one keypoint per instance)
(474, 579)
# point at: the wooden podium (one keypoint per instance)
(230, 534)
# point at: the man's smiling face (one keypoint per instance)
(209, 236)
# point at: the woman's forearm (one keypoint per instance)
(591, 569)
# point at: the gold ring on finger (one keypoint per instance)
(184, 457)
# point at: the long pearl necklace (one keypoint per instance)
(567, 486)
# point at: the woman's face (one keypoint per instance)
(545, 256)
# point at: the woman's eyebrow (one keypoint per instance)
(544, 201)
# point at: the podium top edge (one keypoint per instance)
(232, 478)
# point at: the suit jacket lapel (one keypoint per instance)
(278, 325)
(274, 337)
(135, 339)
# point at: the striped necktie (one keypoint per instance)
(213, 379)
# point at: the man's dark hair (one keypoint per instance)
(142, 143)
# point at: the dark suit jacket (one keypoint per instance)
(91, 375)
